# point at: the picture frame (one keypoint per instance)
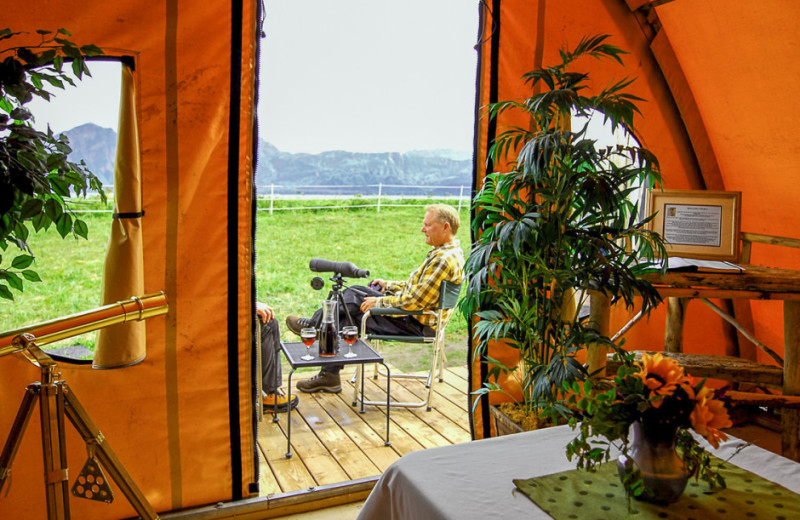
(697, 223)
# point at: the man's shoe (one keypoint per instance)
(322, 382)
(278, 402)
(296, 323)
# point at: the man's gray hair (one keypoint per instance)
(445, 213)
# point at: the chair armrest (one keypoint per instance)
(394, 311)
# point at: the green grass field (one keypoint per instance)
(387, 243)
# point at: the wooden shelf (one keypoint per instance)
(728, 368)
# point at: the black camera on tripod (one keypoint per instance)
(340, 269)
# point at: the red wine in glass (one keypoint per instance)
(350, 335)
(308, 336)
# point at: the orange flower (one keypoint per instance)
(708, 416)
(661, 375)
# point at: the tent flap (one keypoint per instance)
(181, 420)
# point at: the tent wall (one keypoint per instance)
(181, 421)
(720, 113)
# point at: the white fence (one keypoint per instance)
(373, 195)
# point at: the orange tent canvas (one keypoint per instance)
(182, 421)
(720, 114)
(718, 77)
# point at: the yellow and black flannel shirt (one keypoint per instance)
(421, 290)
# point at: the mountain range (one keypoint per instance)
(97, 145)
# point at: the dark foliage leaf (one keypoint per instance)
(22, 262)
(5, 293)
(31, 276)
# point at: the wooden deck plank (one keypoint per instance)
(444, 404)
(402, 442)
(292, 474)
(447, 424)
(348, 446)
(332, 432)
(444, 413)
(405, 418)
(271, 439)
(326, 469)
(306, 440)
(453, 390)
(445, 417)
(333, 442)
(361, 429)
(267, 483)
(461, 372)
(375, 420)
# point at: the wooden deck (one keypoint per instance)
(332, 442)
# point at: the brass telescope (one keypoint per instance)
(134, 309)
(57, 400)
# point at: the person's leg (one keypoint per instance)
(270, 359)
(271, 377)
(398, 326)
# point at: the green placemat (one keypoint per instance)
(582, 495)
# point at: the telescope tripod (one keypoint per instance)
(56, 400)
(335, 294)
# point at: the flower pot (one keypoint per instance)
(652, 452)
(503, 425)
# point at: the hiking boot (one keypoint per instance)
(322, 382)
(296, 323)
(278, 402)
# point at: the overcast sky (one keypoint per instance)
(369, 75)
(356, 75)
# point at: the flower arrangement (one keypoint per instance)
(658, 395)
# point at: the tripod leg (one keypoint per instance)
(92, 436)
(54, 447)
(17, 431)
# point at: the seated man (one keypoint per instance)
(273, 399)
(445, 261)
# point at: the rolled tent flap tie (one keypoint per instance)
(124, 344)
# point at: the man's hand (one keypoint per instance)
(368, 303)
(381, 282)
(264, 312)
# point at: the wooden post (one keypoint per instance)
(673, 332)
(599, 320)
(790, 417)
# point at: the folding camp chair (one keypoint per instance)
(448, 296)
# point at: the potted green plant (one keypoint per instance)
(559, 224)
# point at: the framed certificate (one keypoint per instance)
(697, 223)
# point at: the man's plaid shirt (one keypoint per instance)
(421, 290)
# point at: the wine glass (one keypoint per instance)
(308, 336)
(350, 335)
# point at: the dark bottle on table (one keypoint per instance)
(327, 340)
(327, 332)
